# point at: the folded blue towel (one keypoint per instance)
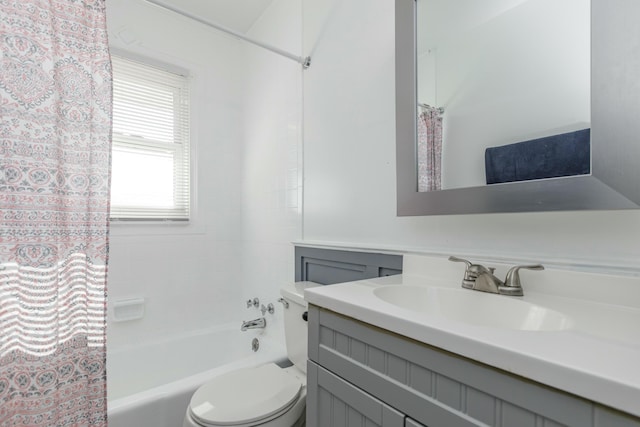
(565, 154)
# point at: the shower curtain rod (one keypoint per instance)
(305, 61)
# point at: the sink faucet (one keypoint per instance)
(260, 322)
(480, 278)
(472, 272)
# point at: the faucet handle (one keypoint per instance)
(512, 285)
(270, 308)
(471, 272)
(456, 259)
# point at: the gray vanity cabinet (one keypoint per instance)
(361, 375)
(340, 404)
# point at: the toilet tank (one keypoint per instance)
(295, 327)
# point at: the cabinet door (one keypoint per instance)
(408, 422)
(333, 402)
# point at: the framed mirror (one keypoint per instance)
(510, 93)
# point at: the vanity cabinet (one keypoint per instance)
(341, 404)
(361, 375)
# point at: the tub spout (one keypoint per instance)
(254, 324)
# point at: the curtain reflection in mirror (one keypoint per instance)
(429, 148)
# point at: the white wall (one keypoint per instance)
(187, 274)
(247, 133)
(272, 156)
(349, 157)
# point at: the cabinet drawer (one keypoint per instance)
(332, 402)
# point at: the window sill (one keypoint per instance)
(155, 228)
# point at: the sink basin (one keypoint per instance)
(475, 308)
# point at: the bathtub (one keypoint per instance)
(151, 385)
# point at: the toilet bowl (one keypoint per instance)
(265, 395)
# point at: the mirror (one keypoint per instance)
(501, 82)
(552, 88)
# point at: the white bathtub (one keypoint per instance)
(150, 385)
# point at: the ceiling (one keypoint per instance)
(238, 15)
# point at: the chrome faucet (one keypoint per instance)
(260, 322)
(480, 278)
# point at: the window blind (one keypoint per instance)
(150, 155)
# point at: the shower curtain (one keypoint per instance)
(429, 149)
(55, 137)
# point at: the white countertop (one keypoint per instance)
(598, 358)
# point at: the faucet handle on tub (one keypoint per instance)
(512, 285)
(270, 308)
(253, 302)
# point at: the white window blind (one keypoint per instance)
(150, 176)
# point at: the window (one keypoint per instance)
(150, 155)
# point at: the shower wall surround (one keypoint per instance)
(271, 193)
(246, 130)
(349, 142)
(183, 271)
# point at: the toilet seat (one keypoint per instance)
(245, 397)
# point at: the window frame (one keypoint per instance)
(180, 147)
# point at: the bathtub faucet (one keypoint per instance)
(253, 324)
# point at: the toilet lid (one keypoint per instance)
(244, 395)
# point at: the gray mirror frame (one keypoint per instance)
(614, 182)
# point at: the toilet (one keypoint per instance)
(265, 395)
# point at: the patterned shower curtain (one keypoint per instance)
(55, 137)
(430, 149)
